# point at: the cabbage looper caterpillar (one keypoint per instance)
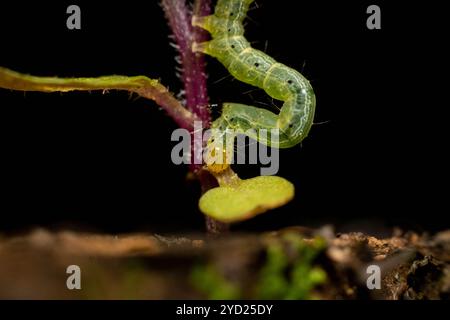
(256, 68)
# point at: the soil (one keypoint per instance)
(144, 266)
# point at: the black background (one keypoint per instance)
(376, 158)
(287, 309)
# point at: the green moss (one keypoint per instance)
(292, 278)
(288, 273)
(207, 280)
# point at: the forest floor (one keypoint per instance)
(143, 266)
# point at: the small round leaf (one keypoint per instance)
(247, 199)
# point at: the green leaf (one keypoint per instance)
(246, 199)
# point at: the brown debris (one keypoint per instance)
(33, 266)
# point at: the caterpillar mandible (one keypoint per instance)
(256, 68)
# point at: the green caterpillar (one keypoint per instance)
(256, 68)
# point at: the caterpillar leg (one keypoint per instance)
(208, 23)
(204, 22)
(201, 47)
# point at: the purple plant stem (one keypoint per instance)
(195, 80)
(202, 8)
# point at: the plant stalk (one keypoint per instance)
(194, 80)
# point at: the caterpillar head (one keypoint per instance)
(216, 160)
(217, 157)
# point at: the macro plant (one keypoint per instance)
(226, 198)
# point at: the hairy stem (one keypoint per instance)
(145, 87)
(192, 64)
(194, 79)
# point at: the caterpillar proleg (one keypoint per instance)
(256, 68)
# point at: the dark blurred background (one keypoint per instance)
(375, 159)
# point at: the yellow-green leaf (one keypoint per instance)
(247, 198)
